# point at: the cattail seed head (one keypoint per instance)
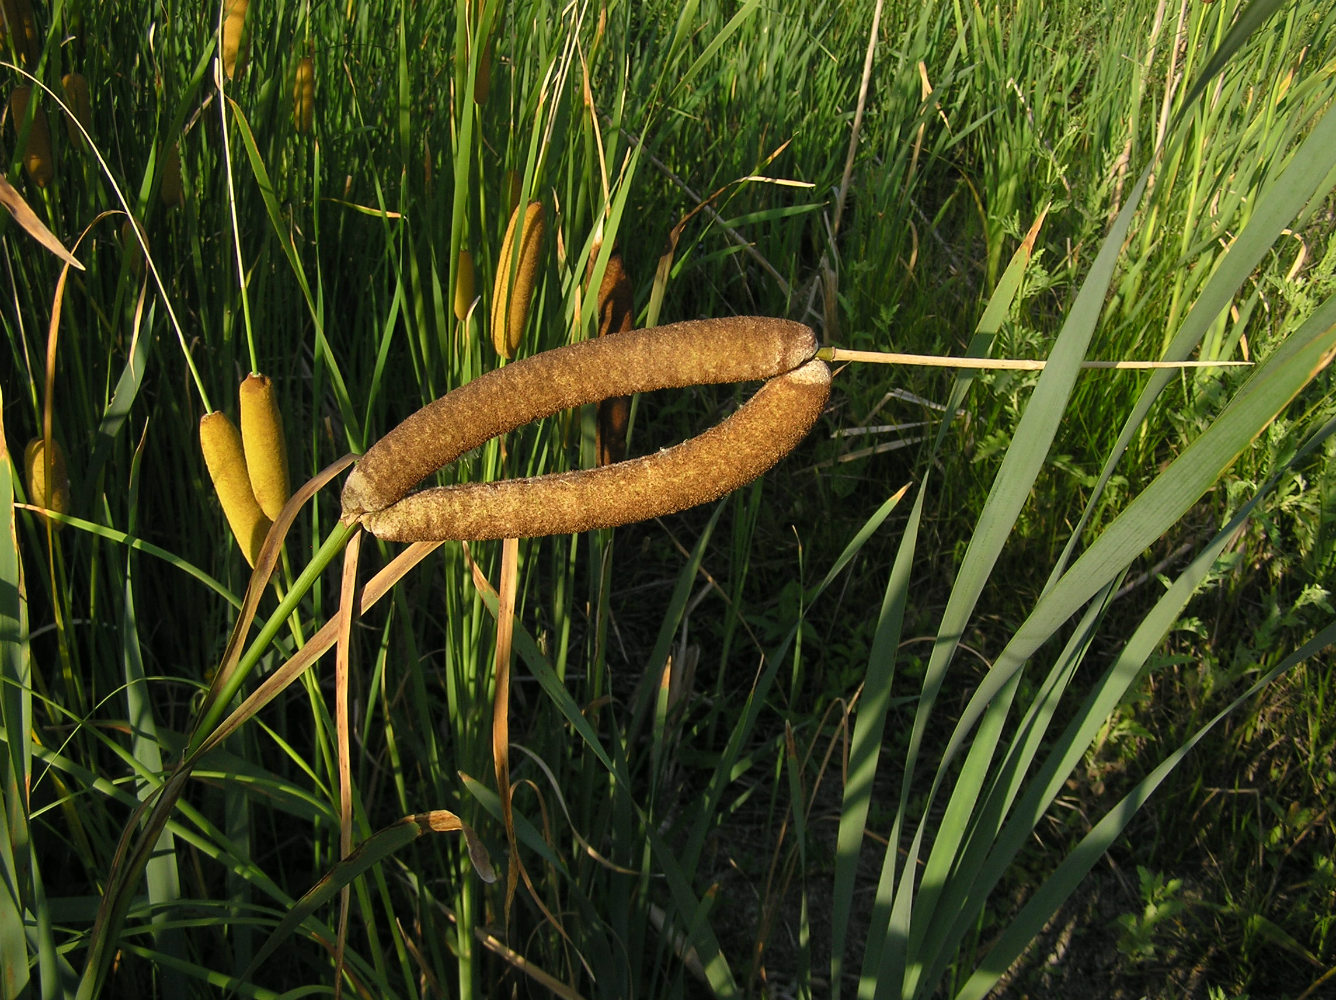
(130, 246)
(78, 100)
(20, 30)
(616, 314)
(510, 302)
(303, 96)
(235, 37)
(482, 80)
(171, 191)
(710, 351)
(464, 278)
(37, 153)
(729, 455)
(262, 440)
(50, 491)
(221, 443)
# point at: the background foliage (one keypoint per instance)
(826, 736)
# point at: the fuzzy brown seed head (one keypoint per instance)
(221, 444)
(709, 351)
(729, 455)
(303, 96)
(52, 490)
(510, 300)
(262, 440)
(37, 152)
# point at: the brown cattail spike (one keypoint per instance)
(262, 438)
(729, 455)
(49, 491)
(710, 351)
(303, 96)
(221, 444)
(37, 153)
(510, 301)
(616, 314)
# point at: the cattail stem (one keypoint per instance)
(838, 354)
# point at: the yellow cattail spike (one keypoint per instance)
(303, 96)
(37, 153)
(20, 28)
(463, 285)
(79, 102)
(262, 438)
(234, 37)
(170, 191)
(51, 492)
(510, 302)
(221, 444)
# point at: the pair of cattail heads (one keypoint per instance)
(704, 468)
(249, 468)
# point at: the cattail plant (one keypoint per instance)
(464, 279)
(20, 31)
(303, 95)
(616, 314)
(221, 443)
(37, 151)
(697, 471)
(171, 191)
(235, 37)
(262, 440)
(482, 81)
(48, 480)
(130, 246)
(80, 104)
(510, 302)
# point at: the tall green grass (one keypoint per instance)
(729, 773)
